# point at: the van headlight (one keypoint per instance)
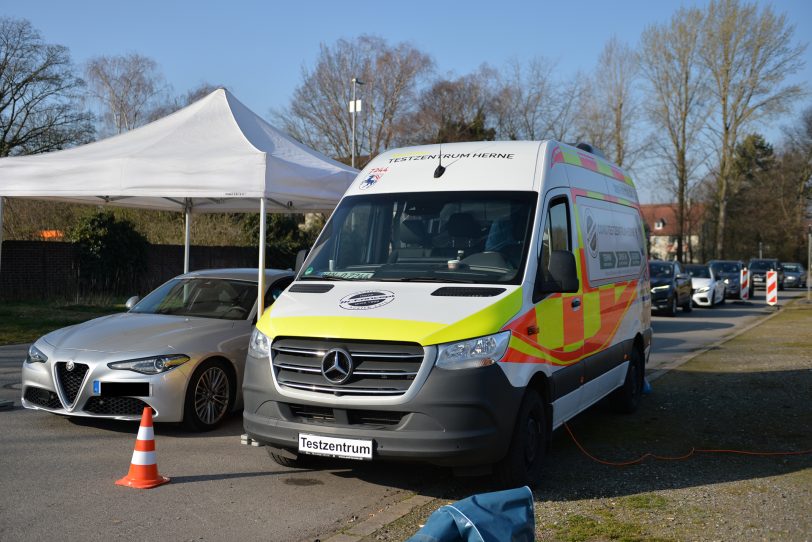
(259, 346)
(152, 365)
(35, 355)
(660, 288)
(479, 352)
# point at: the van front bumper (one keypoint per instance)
(458, 418)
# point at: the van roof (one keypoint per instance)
(482, 165)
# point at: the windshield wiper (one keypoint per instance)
(423, 279)
(330, 277)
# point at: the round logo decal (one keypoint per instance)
(369, 299)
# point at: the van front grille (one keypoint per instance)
(378, 368)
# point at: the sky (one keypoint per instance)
(258, 49)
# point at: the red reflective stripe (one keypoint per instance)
(144, 445)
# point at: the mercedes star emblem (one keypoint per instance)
(336, 366)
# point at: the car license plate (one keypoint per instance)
(335, 447)
(121, 389)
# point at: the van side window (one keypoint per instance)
(556, 235)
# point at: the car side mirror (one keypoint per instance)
(300, 258)
(562, 276)
(132, 302)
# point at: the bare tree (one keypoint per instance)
(748, 53)
(455, 110)
(318, 114)
(39, 106)
(533, 104)
(676, 105)
(127, 88)
(611, 108)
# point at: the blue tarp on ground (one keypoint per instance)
(500, 516)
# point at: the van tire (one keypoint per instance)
(523, 461)
(626, 399)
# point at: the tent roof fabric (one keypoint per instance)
(215, 155)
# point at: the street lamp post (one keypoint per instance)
(355, 107)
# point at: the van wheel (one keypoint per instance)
(626, 399)
(209, 396)
(522, 464)
(289, 459)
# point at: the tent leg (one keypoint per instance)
(261, 263)
(187, 239)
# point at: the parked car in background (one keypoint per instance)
(670, 287)
(794, 275)
(729, 272)
(758, 272)
(180, 350)
(707, 288)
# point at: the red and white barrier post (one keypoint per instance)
(772, 288)
(744, 282)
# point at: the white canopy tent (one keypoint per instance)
(215, 155)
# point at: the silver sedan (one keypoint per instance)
(181, 350)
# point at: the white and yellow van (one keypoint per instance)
(457, 310)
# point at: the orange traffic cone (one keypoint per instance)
(143, 467)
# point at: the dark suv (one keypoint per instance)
(670, 287)
(758, 272)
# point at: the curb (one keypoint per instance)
(365, 528)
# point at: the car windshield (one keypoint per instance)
(761, 265)
(203, 297)
(660, 270)
(698, 271)
(467, 237)
(791, 267)
(725, 268)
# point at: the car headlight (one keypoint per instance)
(702, 290)
(660, 288)
(479, 352)
(726, 281)
(35, 355)
(259, 346)
(150, 366)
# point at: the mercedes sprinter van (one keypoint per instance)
(456, 309)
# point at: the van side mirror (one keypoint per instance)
(561, 278)
(300, 258)
(132, 302)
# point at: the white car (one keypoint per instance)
(706, 289)
(180, 350)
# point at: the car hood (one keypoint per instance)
(731, 276)
(700, 282)
(133, 332)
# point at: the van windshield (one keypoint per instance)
(466, 237)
